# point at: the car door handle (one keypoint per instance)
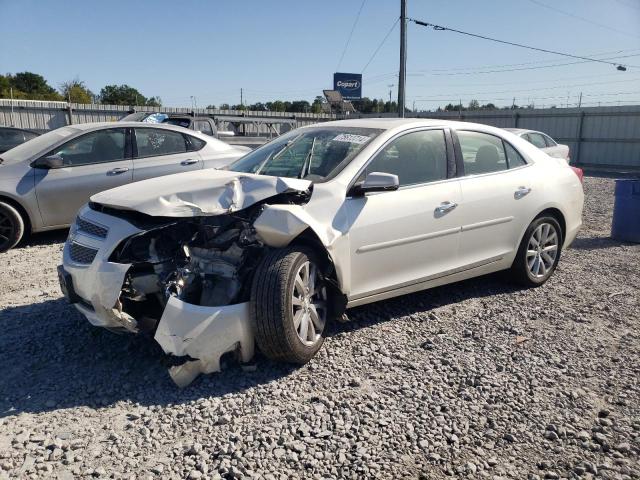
(118, 170)
(190, 161)
(521, 192)
(445, 207)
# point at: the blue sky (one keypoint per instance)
(290, 49)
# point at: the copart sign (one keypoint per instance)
(349, 85)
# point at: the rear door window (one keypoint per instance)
(204, 127)
(481, 152)
(152, 142)
(485, 153)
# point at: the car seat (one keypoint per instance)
(487, 159)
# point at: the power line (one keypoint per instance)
(534, 89)
(353, 27)
(514, 44)
(381, 43)
(578, 17)
(437, 71)
(534, 68)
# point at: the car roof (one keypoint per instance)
(98, 125)
(399, 124)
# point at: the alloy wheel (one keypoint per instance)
(309, 304)
(6, 230)
(542, 250)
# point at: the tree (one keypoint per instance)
(212, 107)
(474, 105)
(126, 95)
(277, 106)
(76, 91)
(154, 102)
(316, 106)
(225, 106)
(29, 86)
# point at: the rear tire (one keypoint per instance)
(539, 252)
(11, 227)
(289, 305)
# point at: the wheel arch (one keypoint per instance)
(309, 239)
(559, 216)
(28, 224)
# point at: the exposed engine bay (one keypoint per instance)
(206, 261)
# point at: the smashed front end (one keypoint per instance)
(185, 280)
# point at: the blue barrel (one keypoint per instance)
(626, 211)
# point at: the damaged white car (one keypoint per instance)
(321, 219)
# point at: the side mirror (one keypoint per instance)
(51, 161)
(376, 182)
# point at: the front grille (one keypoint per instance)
(91, 228)
(81, 254)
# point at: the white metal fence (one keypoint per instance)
(601, 137)
(40, 115)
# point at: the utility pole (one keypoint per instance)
(403, 57)
(580, 100)
(241, 101)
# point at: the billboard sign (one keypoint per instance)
(349, 85)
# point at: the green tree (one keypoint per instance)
(29, 86)
(316, 106)
(76, 91)
(212, 107)
(126, 95)
(474, 105)
(154, 102)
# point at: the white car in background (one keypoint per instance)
(44, 181)
(543, 141)
(323, 218)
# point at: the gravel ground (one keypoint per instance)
(476, 379)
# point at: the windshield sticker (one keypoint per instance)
(351, 138)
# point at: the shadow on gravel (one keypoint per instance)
(597, 243)
(44, 238)
(423, 301)
(53, 358)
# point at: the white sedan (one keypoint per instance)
(44, 181)
(544, 142)
(321, 219)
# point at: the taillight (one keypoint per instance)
(578, 172)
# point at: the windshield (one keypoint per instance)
(311, 153)
(37, 145)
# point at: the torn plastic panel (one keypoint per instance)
(204, 334)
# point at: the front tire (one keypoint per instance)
(11, 227)
(539, 252)
(289, 305)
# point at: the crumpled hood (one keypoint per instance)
(199, 192)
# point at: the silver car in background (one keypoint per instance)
(543, 141)
(44, 181)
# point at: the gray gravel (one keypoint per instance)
(476, 379)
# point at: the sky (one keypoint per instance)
(283, 49)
